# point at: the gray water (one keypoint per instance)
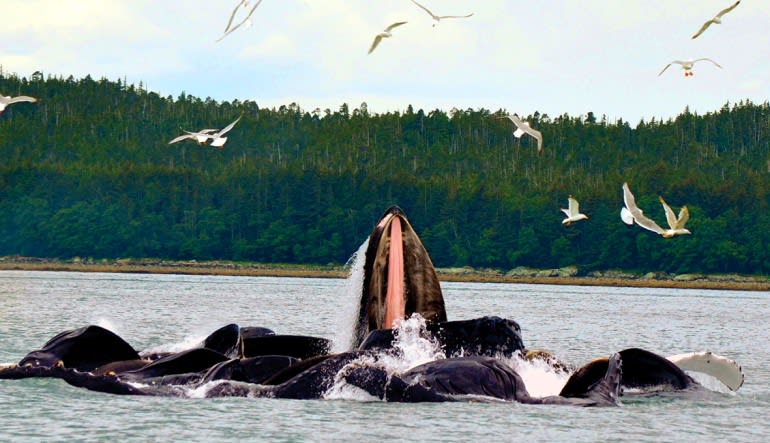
(577, 323)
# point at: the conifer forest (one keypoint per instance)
(88, 171)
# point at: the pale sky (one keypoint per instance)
(550, 56)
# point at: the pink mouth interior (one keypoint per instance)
(394, 299)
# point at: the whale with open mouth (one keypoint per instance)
(399, 285)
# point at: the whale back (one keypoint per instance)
(83, 349)
(642, 369)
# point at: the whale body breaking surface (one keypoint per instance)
(402, 348)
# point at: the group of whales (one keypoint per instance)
(399, 284)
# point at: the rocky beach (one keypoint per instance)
(561, 276)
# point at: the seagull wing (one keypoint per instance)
(202, 132)
(22, 98)
(703, 28)
(226, 128)
(394, 25)
(516, 120)
(708, 59)
(232, 16)
(455, 16)
(376, 42)
(670, 216)
(664, 69)
(637, 214)
(246, 19)
(647, 223)
(523, 127)
(684, 215)
(181, 137)
(574, 206)
(252, 10)
(566, 212)
(426, 10)
(538, 136)
(728, 9)
(228, 32)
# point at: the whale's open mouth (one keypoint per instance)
(394, 297)
(399, 278)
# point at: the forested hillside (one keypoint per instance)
(88, 171)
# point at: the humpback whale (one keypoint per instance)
(474, 358)
(399, 278)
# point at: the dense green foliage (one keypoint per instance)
(88, 171)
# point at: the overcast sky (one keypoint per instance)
(551, 56)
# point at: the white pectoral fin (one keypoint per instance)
(518, 133)
(726, 370)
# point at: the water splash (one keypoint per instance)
(351, 300)
(341, 390)
(711, 383)
(189, 342)
(540, 378)
(413, 345)
(108, 325)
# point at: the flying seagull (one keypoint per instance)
(523, 127)
(201, 136)
(241, 4)
(687, 65)
(204, 135)
(8, 100)
(631, 213)
(438, 18)
(246, 20)
(716, 20)
(676, 223)
(572, 212)
(384, 34)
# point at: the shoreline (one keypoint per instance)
(469, 275)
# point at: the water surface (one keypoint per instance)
(577, 323)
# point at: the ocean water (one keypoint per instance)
(575, 323)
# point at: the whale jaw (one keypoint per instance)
(399, 278)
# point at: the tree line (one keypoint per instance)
(87, 171)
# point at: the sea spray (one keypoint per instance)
(350, 302)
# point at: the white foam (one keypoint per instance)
(108, 325)
(188, 342)
(348, 315)
(413, 344)
(540, 378)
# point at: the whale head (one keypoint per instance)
(399, 278)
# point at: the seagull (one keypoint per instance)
(676, 223)
(241, 4)
(202, 136)
(572, 212)
(716, 20)
(438, 18)
(631, 213)
(523, 127)
(247, 20)
(688, 64)
(384, 34)
(8, 100)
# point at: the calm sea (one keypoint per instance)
(576, 323)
